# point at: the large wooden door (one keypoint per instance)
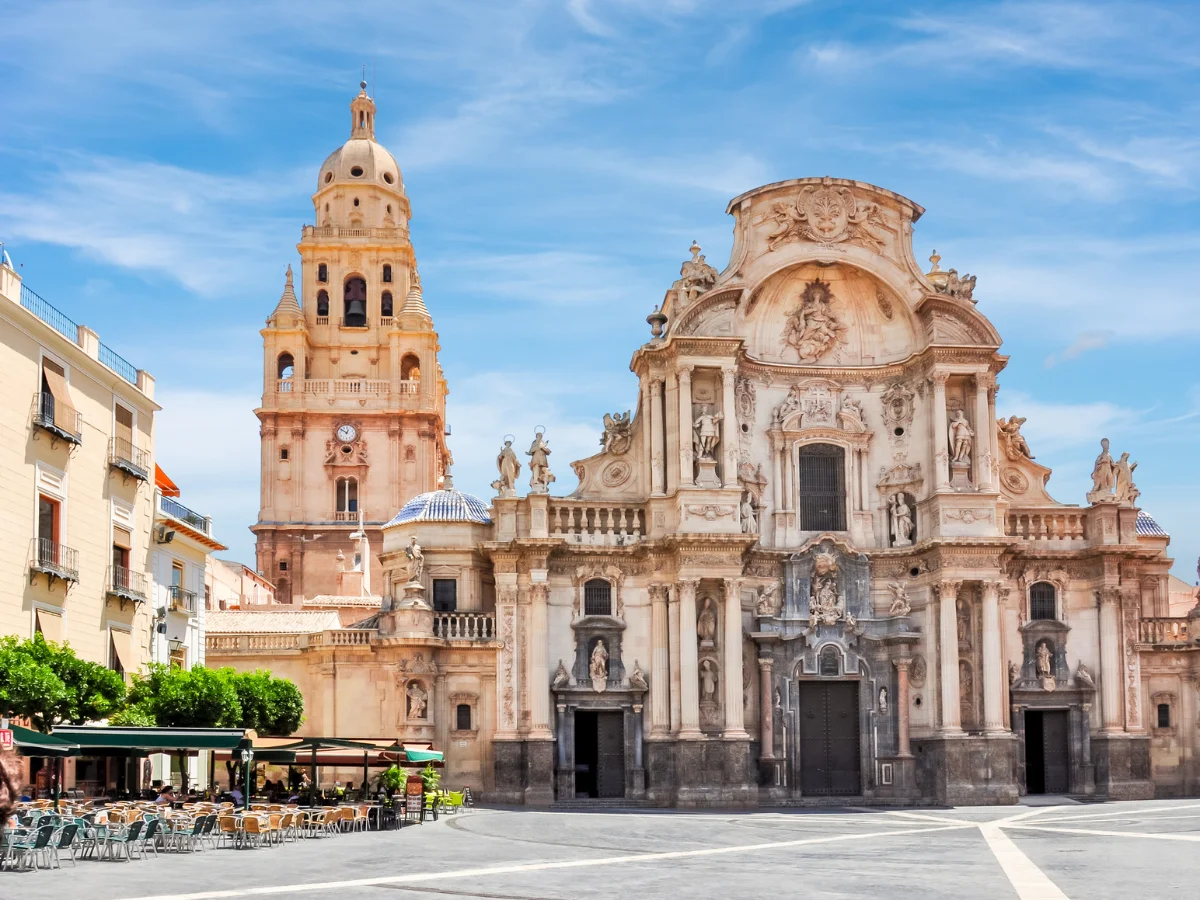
(828, 739)
(1054, 752)
(610, 746)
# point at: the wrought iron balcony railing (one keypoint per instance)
(129, 459)
(53, 559)
(60, 420)
(176, 510)
(127, 584)
(181, 600)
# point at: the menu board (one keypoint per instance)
(415, 802)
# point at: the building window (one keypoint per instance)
(323, 272)
(283, 452)
(462, 717)
(354, 303)
(597, 598)
(831, 662)
(1043, 601)
(323, 303)
(445, 595)
(179, 658)
(283, 566)
(1164, 715)
(347, 495)
(286, 366)
(387, 273)
(122, 541)
(822, 488)
(49, 521)
(410, 367)
(123, 432)
(385, 304)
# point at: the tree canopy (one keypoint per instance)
(217, 698)
(49, 685)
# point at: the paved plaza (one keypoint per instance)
(1083, 852)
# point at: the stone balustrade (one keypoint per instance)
(596, 524)
(1164, 631)
(305, 391)
(464, 626)
(1054, 526)
(220, 644)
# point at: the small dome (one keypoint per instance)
(443, 506)
(361, 160)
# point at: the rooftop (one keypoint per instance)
(446, 505)
(283, 621)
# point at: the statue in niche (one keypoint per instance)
(966, 690)
(618, 433)
(960, 438)
(1127, 491)
(902, 520)
(824, 603)
(850, 416)
(509, 467)
(1104, 474)
(707, 435)
(883, 701)
(749, 518)
(1014, 443)
(767, 603)
(561, 677)
(964, 623)
(418, 699)
(706, 623)
(637, 678)
(539, 464)
(416, 560)
(900, 605)
(708, 681)
(598, 667)
(1045, 662)
(813, 329)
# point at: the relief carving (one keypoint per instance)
(1012, 442)
(898, 407)
(618, 433)
(825, 215)
(813, 329)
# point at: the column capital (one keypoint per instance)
(948, 590)
(985, 381)
(689, 585)
(765, 663)
(991, 589)
(658, 592)
(903, 664)
(656, 386)
(1108, 595)
(939, 379)
(685, 370)
(733, 585)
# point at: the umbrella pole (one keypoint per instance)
(364, 787)
(312, 778)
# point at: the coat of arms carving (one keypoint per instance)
(826, 215)
(813, 328)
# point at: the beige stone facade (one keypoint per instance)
(809, 561)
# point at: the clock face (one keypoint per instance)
(347, 433)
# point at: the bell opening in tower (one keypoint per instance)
(355, 309)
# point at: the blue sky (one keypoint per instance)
(156, 164)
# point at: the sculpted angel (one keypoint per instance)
(1014, 442)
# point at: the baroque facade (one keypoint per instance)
(811, 561)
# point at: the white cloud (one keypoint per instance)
(551, 277)
(1093, 339)
(1056, 427)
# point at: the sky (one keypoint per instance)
(157, 162)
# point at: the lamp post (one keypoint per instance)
(247, 759)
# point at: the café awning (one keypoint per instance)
(33, 743)
(109, 740)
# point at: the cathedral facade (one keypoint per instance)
(810, 561)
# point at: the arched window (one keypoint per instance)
(323, 269)
(597, 598)
(347, 495)
(387, 273)
(410, 367)
(1043, 601)
(354, 309)
(385, 304)
(822, 488)
(286, 366)
(323, 302)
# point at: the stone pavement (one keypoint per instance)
(1044, 852)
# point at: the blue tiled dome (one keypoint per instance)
(443, 506)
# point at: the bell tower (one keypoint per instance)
(354, 400)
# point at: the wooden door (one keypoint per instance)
(610, 747)
(1056, 762)
(829, 738)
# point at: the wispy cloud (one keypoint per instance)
(1095, 339)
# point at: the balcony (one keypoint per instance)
(1059, 528)
(596, 524)
(464, 626)
(126, 458)
(322, 320)
(53, 560)
(126, 584)
(364, 324)
(181, 600)
(1165, 631)
(341, 231)
(173, 509)
(60, 420)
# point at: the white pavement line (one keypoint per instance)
(1030, 882)
(943, 820)
(533, 867)
(1125, 813)
(1105, 833)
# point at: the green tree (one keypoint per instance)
(48, 684)
(270, 705)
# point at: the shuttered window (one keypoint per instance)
(822, 488)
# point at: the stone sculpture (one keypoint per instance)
(598, 667)
(637, 678)
(416, 560)
(1014, 443)
(618, 433)
(540, 476)
(813, 329)
(826, 215)
(1104, 474)
(900, 605)
(707, 435)
(509, 467)
(1045, 666)
(850, 417)
(696, 275)
(824, 603)
(883, 701)
(902, 520)
(561, 676)
(767, 603)
(418, 699)
(706, 623)
(749, 518)
(1083, 676)
(708, 681)
(1126, 491)
(960, 438)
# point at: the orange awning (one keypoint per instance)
(164, 483)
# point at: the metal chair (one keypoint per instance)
(127, 839)
(64, 840)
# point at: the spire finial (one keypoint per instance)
(289, 275)
(935, 259)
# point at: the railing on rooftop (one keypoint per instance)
(118, 364)
(590, 523)
(48, 314)
(179, 512)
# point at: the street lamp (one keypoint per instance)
(247, 759)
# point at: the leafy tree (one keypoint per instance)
(133, 717)
(48, 684)
(270, 705)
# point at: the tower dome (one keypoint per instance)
(446, 505)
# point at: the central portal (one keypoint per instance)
(599, 754)
(1047, 761)
(828, 740)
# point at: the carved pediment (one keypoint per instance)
(949, 321)
(710, 316)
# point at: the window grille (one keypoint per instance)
(597, 598)
(1164, 715)
(822, 488)
(1043, 601)
(462, 717)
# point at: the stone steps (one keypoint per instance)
(601, 803)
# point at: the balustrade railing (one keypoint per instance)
(128, 458)
(464, 626)
(61, 420)
(181, 600)
(1164, 631)
(595, 524)
(127, 583)
(1046, 525)
(54, 559)
(176, 510)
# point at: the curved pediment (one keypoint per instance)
(954, 322)
(712, 315)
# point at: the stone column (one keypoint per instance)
(270, 470)
(984, 426)
(1110, 661)
(685, 427)
(993, 431)
(902, 666)
(508, 659)
(729, 439)
(689, 686)
(993, 660)
(660, 663)
(735, 719)
(941, 432)
(948, 656)
(657, 448)
(673, 648)
(637, 736)
(561, 732)
(766, 715)
(539, 674)
(297, 464)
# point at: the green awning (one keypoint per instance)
(421, 756)
(33, 743)
(98, 740)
